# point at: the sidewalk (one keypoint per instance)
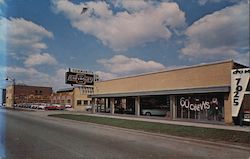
(165, 121)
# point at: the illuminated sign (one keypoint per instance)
(239, 81)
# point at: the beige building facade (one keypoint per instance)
(77, 97)
(198, 93)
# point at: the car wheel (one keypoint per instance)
(148, 114)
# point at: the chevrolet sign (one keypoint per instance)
(79, 78)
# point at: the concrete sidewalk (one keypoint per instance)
(165, 121)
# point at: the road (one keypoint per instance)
(29, 136)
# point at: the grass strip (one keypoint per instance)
(168, 129)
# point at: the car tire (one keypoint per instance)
(148, 114)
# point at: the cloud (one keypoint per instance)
(2, 2)
(38, 59)
(243, 59)
(106, 75)
(147, 23)
(31, 76)
(122, 65)
(23, 37)
(222, 34)
(133, 6)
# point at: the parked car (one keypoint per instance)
(246, 118)
(60, 107)
(42, 106)
(34, 106)
(154, 112)
(51, 107)
(68, 106)
(88, 107)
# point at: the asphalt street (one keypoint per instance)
(29, 136)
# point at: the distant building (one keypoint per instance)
(77, 97)
(19, 94)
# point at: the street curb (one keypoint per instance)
(197, 141)
(156, 121)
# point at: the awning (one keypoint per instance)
(216, 89)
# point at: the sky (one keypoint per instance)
(41, 39)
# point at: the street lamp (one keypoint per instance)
(8, 78)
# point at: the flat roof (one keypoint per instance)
(172, 69)
(215, 89)
(24, 85)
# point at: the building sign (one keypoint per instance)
(201, 107)
(83, 78)
(239, 81)
(196, 106)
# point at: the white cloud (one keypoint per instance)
(222, 34)
(38, 59)
(58, 81)
(122, 30)
(23, 37)
(243, 59)
(1, 2)
(132, 5)
(31, 76)
(106, 75)
(122, 65)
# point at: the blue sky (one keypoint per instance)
(41, 39)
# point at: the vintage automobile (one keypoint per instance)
(246, 118)
(154, 112)
(54, 107)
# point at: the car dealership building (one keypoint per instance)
(202, 93)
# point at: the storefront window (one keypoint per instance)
(155, 105)
(201, 107)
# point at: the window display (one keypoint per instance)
(201, 107)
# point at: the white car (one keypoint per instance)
(88, 107)
(154, 112)
(42, 106)
(68, 106)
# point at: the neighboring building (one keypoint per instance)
(77, 97)
(19, 94)
(63, 97)
(198, 93)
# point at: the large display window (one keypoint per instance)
(208, 107)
